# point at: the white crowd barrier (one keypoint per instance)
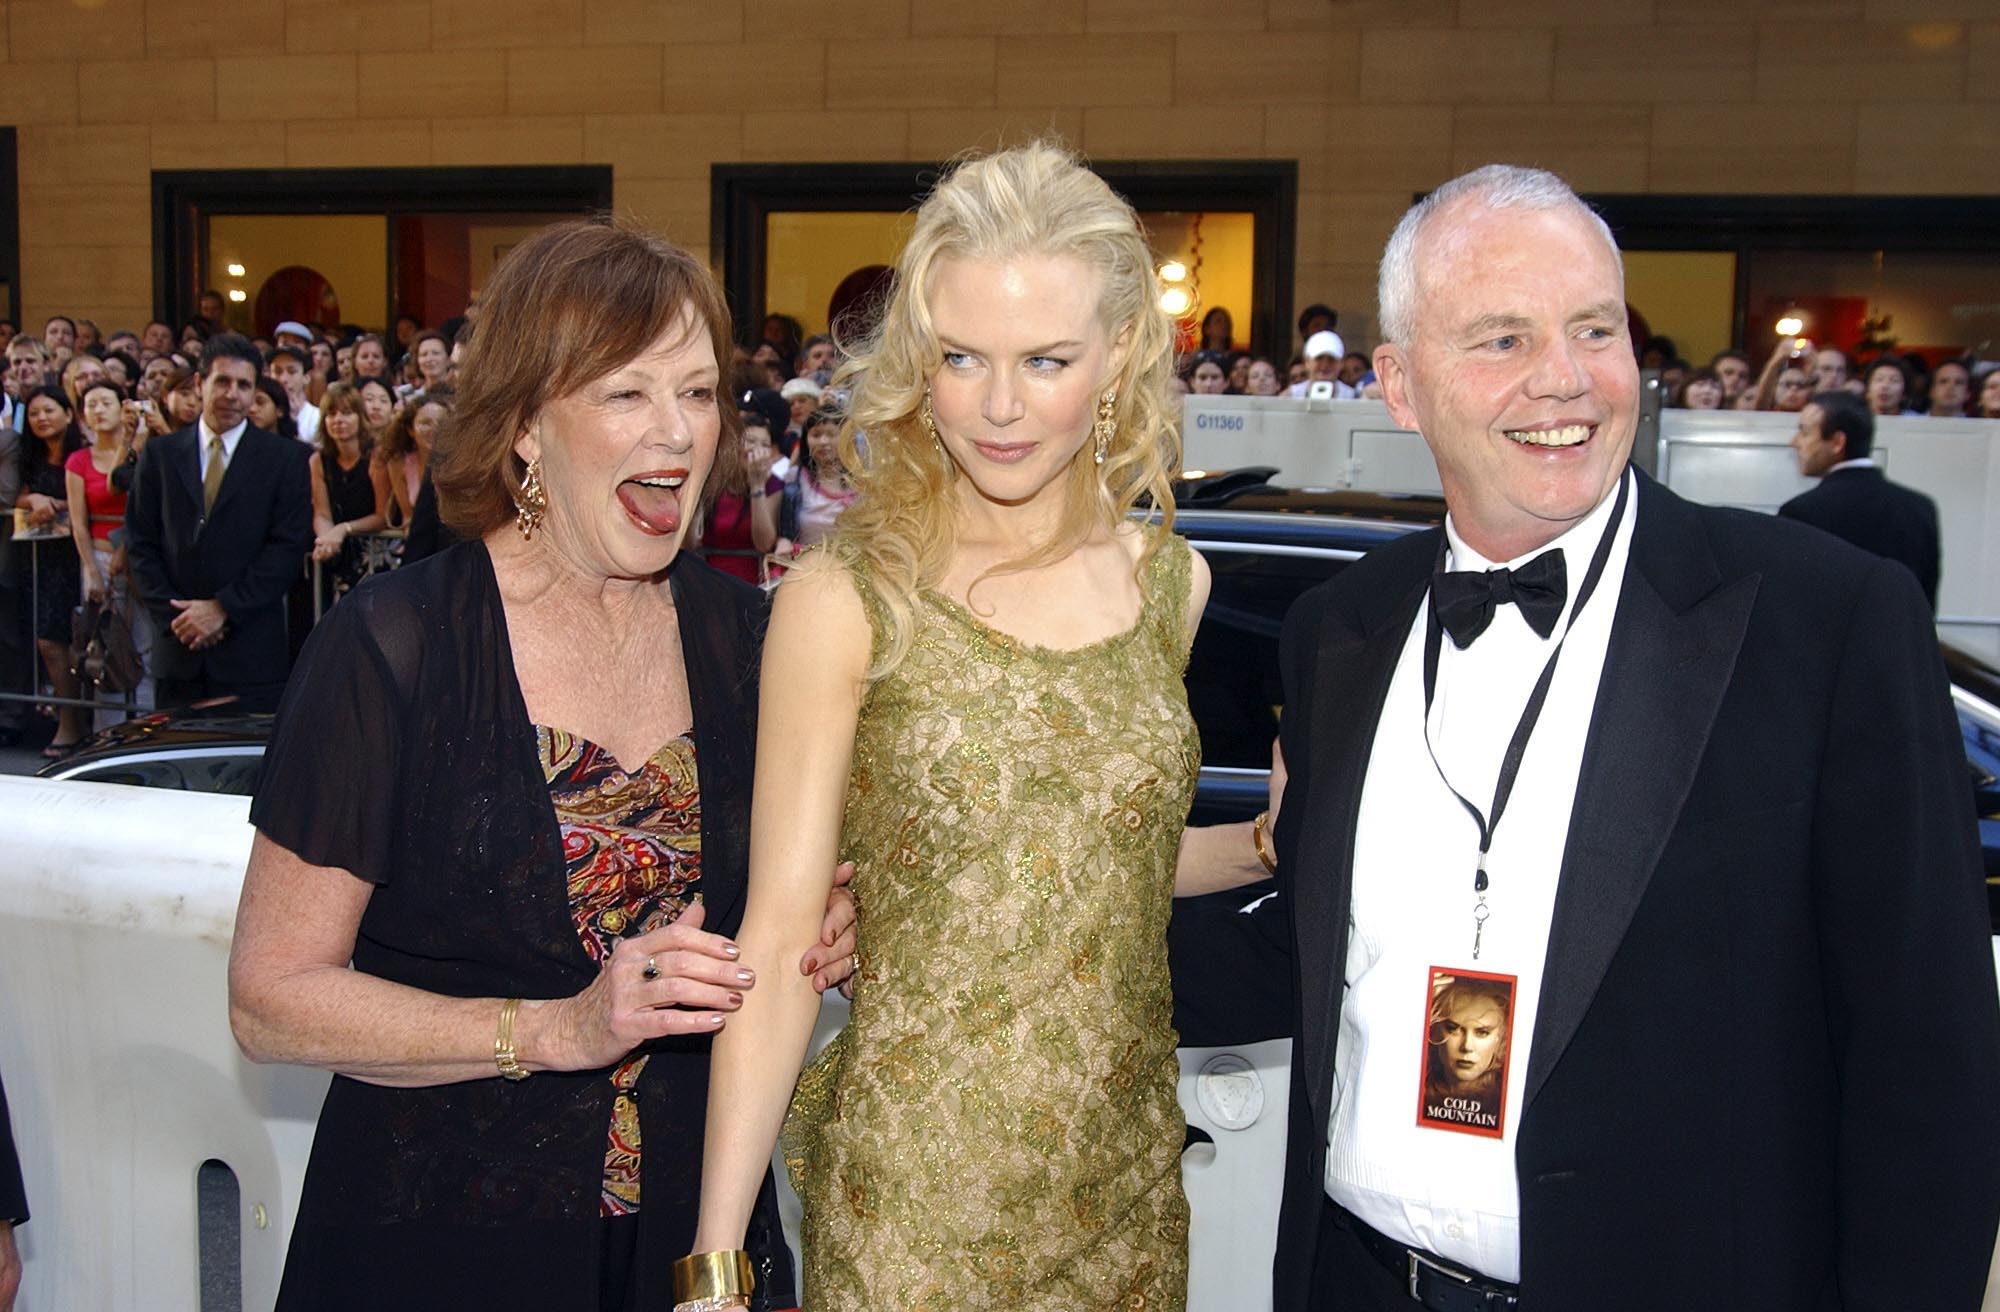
(116, 907)
(164, 1169)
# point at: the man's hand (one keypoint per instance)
(10, 1267)
(200, 624)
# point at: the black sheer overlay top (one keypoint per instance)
(403, 753)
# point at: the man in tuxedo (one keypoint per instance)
(217, 528)
(1632, 907)
(1855, 500)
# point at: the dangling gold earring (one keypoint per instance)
(929, 421)
(1107, 424)
(531, 502)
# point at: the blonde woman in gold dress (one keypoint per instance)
(976, 692)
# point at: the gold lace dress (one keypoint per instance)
(997, 1125)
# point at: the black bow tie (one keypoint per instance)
(1464, 599)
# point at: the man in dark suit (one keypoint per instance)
(1855, 500)
(218, 525)
(13, 1209)
(1633, 914)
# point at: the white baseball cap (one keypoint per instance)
(1324, 342)
(293, 328)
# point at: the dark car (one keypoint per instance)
(1975, 691)
(1259, 563)
(216, 749)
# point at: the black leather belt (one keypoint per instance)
(1433, 1282)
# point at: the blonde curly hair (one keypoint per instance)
(1030, 200)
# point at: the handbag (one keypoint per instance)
(101, 648)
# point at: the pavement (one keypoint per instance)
(20, 760)
(25, 757)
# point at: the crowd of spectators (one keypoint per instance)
(1890, 383)
(1796, 370)
(1322, 366)
(791, 485)
(77, 410)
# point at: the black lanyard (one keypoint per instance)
(1517, 746)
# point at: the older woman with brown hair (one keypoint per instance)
(510, 785)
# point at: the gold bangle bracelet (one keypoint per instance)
(718, 1276)
(503, 1043)
(1264, 853)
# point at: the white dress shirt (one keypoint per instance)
(307, 420)
(1415, 852)
(229, 441)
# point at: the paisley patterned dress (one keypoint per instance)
(997, 1126)
(632, 854)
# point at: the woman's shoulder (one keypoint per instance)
(830, 583)
(835, 568)
(701, 589)
(825, 610)
(1152, 543)
(697, 578)
(428, 595)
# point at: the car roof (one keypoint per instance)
(167, 729)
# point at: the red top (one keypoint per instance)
(726, 542)
(107, 504)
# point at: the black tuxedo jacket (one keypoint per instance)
(13, 1197)
(1862, 506)
(244, 553)
(1768, 1025)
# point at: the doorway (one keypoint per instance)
(362, 247)
(793, 235)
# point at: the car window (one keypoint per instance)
(234, 775)
(1232, 679)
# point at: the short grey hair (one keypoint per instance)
(1494, 187)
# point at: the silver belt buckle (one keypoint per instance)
(1417, 1264)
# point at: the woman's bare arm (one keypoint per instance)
(79, 531)
(1216, 857)
(815, 658)
(293, 997)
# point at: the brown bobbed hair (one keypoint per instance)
(567, 306)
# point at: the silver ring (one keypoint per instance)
(652, 969)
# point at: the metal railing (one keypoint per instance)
(381, 550)
(38, 691)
